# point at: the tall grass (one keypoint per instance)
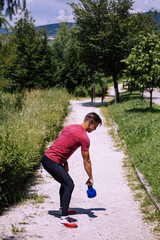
(140, 129)
(27, 122)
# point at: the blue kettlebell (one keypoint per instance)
(91, 192)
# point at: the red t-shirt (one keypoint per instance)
(71, 138)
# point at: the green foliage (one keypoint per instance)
(81, 92)
(143, 64)
(139, 128)
(26, 124)
(105, 32)
(99, 82)
(141, 24)
(29, 63)
(11, 8)
(69, 71)
(98, 90)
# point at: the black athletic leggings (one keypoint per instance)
(60, 175)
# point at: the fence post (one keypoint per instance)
(103, 93)
(92, 92)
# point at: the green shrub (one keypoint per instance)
(98, 90)
(81, 91)
(27, 124)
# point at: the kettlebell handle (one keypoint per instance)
(89, 185)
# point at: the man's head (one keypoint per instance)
(91, 121)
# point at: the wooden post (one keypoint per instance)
(103, 93)
(92, 92)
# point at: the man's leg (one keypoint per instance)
(61, 175)
(66, 190)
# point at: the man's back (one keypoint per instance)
(71, 138)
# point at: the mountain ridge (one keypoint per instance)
(52, 28)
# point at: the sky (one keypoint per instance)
(54, 11)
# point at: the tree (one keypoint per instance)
(105, 33)
(69, 71)
(32, 64)
(102, 34)
(3, 21)
(141, 24)
(144, 64)
(12, 8)
(7, 58)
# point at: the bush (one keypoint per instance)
(25, 128)
(98, 90)
(81, 92)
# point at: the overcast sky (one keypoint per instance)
(53, 11)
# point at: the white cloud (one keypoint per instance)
(52, 11)
(63, 17)
(146, 5)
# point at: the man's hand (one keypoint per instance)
(90, 180)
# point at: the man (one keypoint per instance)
(55, 160)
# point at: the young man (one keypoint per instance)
(55, 160)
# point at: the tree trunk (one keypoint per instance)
(142, 95)
(116, 89)
(151, 99)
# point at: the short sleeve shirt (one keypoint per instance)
(71, 138)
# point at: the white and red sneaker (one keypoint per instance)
(65, 222)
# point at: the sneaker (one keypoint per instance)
(65, 222)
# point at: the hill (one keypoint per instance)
(50, 28)
(53, 28)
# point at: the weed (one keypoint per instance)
(16, 230)
(38, 198)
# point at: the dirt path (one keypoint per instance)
(112, 215)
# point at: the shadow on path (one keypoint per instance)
(92, 104)
(89, 212)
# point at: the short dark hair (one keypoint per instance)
(93, 116)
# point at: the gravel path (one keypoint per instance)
(112, 215)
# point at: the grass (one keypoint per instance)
(16, 230)
(27, 122)
(140, 129)
(38, 198)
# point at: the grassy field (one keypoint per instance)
(140, 130)
(27, 122)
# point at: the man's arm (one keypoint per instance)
(87, 166)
